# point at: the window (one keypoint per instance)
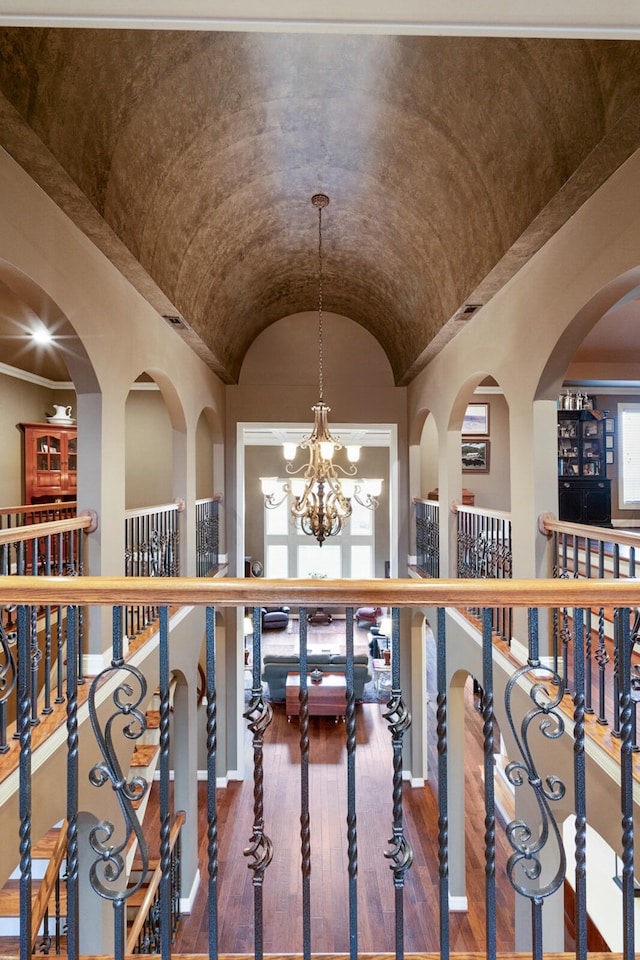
(290, 553)
(629, 458)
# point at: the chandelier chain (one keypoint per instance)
(320, 341)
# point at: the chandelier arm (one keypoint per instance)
(346, 471)
(293, 471)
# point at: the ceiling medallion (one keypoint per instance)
(321, 498)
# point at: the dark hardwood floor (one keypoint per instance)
(282, 886)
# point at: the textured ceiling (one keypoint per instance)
(448, 161)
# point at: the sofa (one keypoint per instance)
(274, 618)
(276, 666)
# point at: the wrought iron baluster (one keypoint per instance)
(588, 708)
(399, 719)
(524, 867)
(579, 775)
(24, 733)
(107, 873)
(352, 829)
(47, 708)
(8, 677)
(626, 781)
(212, 809)
(73, 913)
(443, 797)
(489, 797)
(260, 849)
(305, 820)
(165, 798)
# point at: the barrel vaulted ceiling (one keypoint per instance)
(190, 158)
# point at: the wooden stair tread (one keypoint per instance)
(152, 718)
(44, 847)
(151, 866)
(144, 754)
(10, 898)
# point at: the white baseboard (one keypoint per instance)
(186, 903)
(458, 904)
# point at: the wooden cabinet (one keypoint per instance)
(585, 501)
(50, 462)
(584, 493)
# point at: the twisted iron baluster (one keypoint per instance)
(352, 832)
(165, 798)
(443, 795)
(626, 782)
(399, 719)
(258, 715)
(24, 733)
(73, 931)
(489, 799)
(212, 810)
(305, 820)
(580, 784)
(525, 863)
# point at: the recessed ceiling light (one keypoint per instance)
(42, 336)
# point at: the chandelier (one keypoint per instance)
(321, 497)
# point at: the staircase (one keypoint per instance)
(49, 865)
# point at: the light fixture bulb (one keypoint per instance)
(269, 486)
(353, 453)
(348, 488)
(42, 335)
(326, 449)
(297, 487)
(373, 487)
(289, 451)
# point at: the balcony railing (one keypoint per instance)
(428, 537)
(207, 536)
(533, 707)
(596, 553)
(39, 549)
(151, 549)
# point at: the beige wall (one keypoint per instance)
(148, 450)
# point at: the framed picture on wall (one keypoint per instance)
(475, 455)
(476, 420)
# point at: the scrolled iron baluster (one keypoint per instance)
(109, 867)
(527, 847)
(401, 854)
(602, 659)
(8, 676)
(260, 849)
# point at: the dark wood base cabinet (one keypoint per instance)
(585, 501)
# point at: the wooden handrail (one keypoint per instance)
(38, 507)
(548, 524)
(215, 498)
(228, 592)
(145, 906)
(457, 507)
(41, 902)
(432, 503)
(178, 505)
(33, 531)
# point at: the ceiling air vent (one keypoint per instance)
(465, 312)
(175, 321)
